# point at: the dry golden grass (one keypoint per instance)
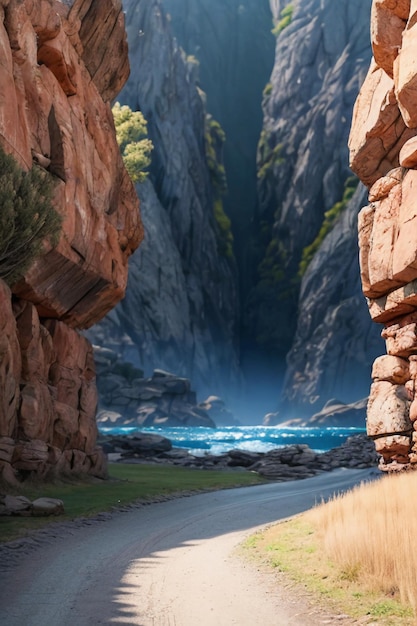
(355, 555)
(371, 533)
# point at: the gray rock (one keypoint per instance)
(147, 444)
(335, 341)
(161, 400)
(340, 414)
(321, 60)
(15, 505)
(43, 507)
(289, 463)
(180, 312)
(216, 409)
(233, 72)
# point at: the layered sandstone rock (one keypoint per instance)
(56, 112)
(383, 144)
(62, 63)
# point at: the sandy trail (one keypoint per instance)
(168, 564)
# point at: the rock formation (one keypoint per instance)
(233, 71)
(383, 153)
(181, 315)
(129, 399)
(335, 341)
(322, 54)
(62, 64)
(281, 464)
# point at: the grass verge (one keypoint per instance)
(352, 555)
(126, 484)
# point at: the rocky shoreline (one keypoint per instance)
(282, 464)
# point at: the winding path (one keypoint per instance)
(168, 564)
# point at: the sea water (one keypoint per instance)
(200, 441)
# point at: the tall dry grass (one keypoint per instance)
(371, 532)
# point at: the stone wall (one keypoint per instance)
(62, 64)
(383, 149)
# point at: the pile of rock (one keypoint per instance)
(21, 506)
(282, 464)
(383, 149)
(126, 398)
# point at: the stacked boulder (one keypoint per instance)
(162, 400)
(383, 149)
(62, 65)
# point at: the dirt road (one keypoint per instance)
(172, 563)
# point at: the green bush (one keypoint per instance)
(225, 239)
(267, 90)
(214, 140)
(132, 138)
(268, 158)
(27, 216)
(284, 21)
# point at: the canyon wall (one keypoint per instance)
(182, 314)
(62, 64)
(185, 314)
(383, 151)
(234, 46)
(299, 311)
(335, 340)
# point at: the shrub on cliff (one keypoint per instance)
(284, 21)
(214, 139)
(27, 216)
(132, 138)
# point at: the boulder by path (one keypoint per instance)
(20, 506)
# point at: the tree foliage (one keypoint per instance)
(27, 216)
(132, 138)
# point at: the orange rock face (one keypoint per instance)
(62, 64)
(56, 111)
(383, 149)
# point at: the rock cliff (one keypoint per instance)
(234, 46)
(322, 54)
(321, 59)
(182, 314)
(383, 154)
(335, 340)
(62, 63)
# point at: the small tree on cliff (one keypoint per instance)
(132, 137)
(27, 216)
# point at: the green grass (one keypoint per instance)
(126, 484)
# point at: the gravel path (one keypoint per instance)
(171, 563)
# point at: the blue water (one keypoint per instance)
(200, 441)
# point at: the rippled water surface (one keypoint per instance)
(200, 441)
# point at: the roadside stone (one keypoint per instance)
(15, 505)
(42, 507)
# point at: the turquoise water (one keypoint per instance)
(201, 441)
